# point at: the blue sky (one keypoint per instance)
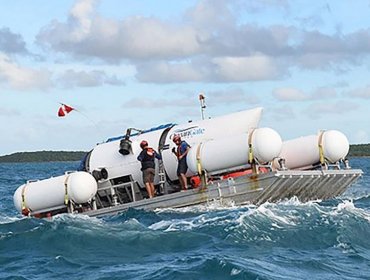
(143, 63)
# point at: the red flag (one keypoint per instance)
(64, 110)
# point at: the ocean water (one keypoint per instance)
(288, 240)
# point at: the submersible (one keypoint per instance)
(231, 160)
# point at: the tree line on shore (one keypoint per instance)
(359, 150)
(43, 156)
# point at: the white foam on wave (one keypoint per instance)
(77, 223)
(213, 205)
(344, 247)
(175, 225)
(345, 205)
(294, 201)
(161, 225)
(230, 219)
(62, 218)
(252, 223)
(235, 271)
(349, 206)
(203, 219)
(133, 222)
(272, 212)
(355, 195)
(261, 221)
(9, 220)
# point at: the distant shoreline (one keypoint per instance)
(357, 150)
(43, 156)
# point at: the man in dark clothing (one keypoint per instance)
(146, 157)
(181, 152)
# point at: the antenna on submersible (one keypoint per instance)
(203, 106)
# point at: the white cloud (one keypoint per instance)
(157, 104)
(340, 107)
(22, 78)
(80, 15)
(252, 68)
(360, 92)
(219, 69)
(230, 96)
(11, 43)
(165, 72)
(210, 11)
(71, 78)
(211, 30)
(289, 94)
(133, 37)
(294, 94)
(231, 49)
(324, 93)
(282, 113)
(262, 5)
(189, 98)
(8, 112)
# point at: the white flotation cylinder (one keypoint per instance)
(233, 152)
(335, 145)
(304, 152)
(266, 144)
(50, 193)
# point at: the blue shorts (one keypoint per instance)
(182, 166)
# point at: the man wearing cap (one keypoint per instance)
(146, 157)
(181, 152)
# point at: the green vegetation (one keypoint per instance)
(360, 150)
(43, 156)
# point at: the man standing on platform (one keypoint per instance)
(181, 152)
(146, 157)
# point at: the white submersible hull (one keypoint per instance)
(231, 161)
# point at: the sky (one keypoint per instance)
(141, 64)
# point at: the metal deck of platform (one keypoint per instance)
(251, 189)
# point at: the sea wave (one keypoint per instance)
(285, 240)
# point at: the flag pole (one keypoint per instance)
(202, 104)
(89, 119)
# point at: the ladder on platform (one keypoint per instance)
(162, 176)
